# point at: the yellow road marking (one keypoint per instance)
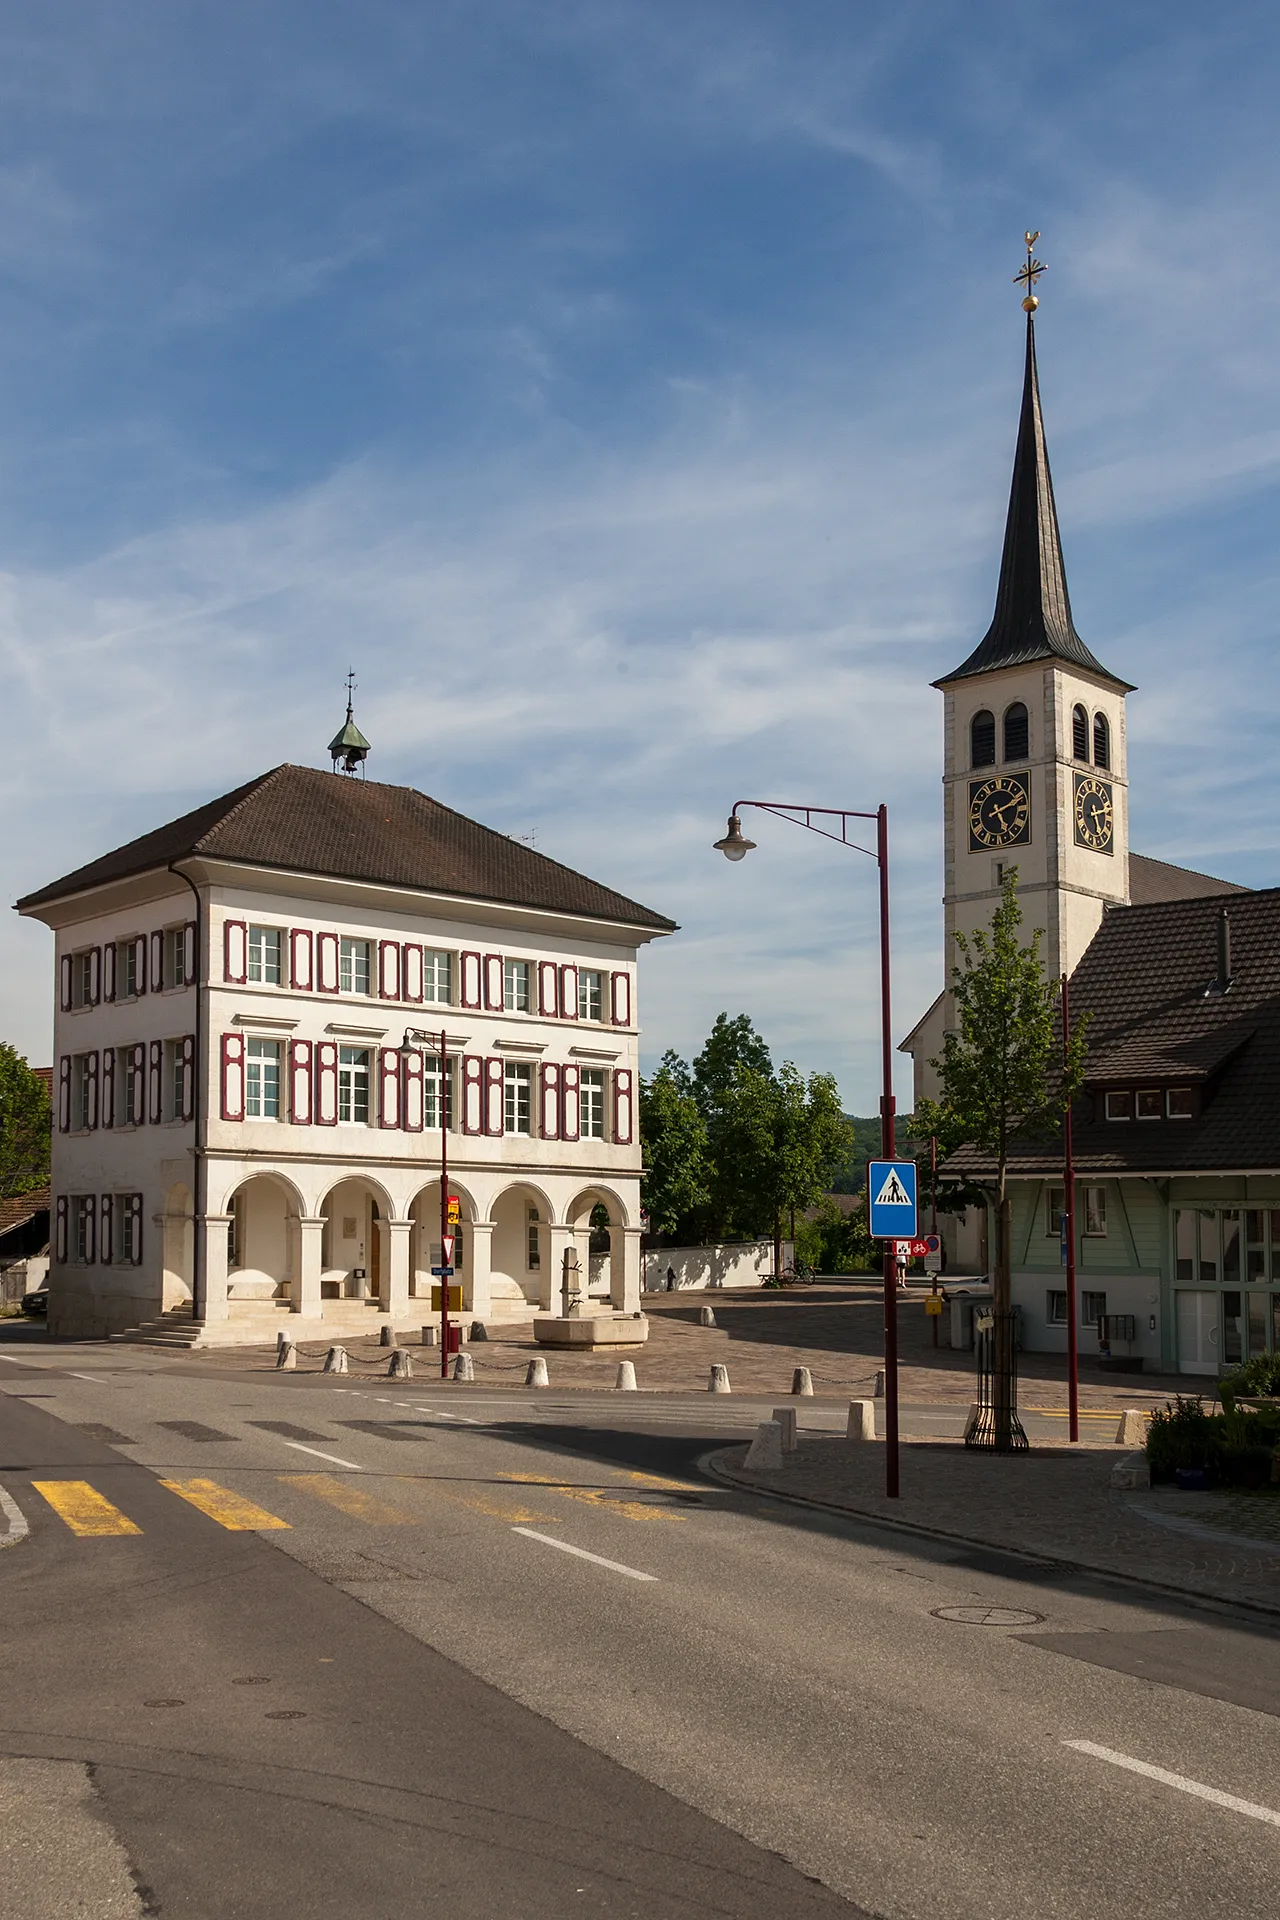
(668, 1486)
(478, 1503)
(229, 1509)
(598, 1497)
(348, 1499)
(83, 1508)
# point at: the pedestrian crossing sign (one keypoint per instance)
(891, 1195)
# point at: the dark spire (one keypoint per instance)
(349, 745)
(1033, 609)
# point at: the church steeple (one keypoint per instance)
(349, 745)
(1032, 620)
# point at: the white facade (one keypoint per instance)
(238, 1115)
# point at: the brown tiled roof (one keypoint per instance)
(16, 1212)
(1143, 981)
(1153, 880)
(301, 820)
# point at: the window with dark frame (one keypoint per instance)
(1095, 1212)
(1017, 732)
(1093, 1307)
(1101, 741)
(1055, 1200)
(1080, 734)
(1056, 1307)
(1180, 1103)
(982, 739)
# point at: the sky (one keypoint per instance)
(627, 390)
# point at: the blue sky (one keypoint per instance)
(628, 390)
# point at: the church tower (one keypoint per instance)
(1035, 753)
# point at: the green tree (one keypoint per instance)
(675, 1187)
(1003, 1079)
(784, 1136)
(832, 1241)
(733, 1049)
(26, 1125)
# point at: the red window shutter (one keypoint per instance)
(109, 973)
(621, 999)
(155, 1077)
(64, 1094)
(232, 1076)
(472, 1093)
(189, 953)
(568, 993)
(548, 990)
(300, 978)
(411, 974)
(108, 1106)
(138, 1073)
(106, 1210)
(470, 979)
(140, 961)
(91, 1088)
(569, 1115)
(95, 976)
(64, 996)
(60, 1230)
(235, 952)
(550, 1116)
(89, 1203)
(327, 969)
(133, 1205)
(389, 969)
(326, 1075)
(156, 969)
(622, 1107)
(493, 982)
(188, 1076)
(494, 1096)
(300, 1092)
(411, 1088)
(389, 1083)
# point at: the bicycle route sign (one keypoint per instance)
(891, 1195)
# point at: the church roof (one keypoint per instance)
(1151, 880)
(1032, 620)
(300, 820)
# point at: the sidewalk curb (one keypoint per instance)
(712, 1464)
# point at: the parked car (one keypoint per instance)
(36, 1304)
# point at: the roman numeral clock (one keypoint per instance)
(999, 812)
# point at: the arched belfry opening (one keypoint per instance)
(349, 745)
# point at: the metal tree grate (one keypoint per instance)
(997, 1427)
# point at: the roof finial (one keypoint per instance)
(1028, 275)
(350, 745)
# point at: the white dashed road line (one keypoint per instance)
(299, 1448)
(1178, 1781)
(614, 1566)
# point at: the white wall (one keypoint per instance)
(745, 1265)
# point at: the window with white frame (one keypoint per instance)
(126, 1229)
(81, 1083)
(128, 985)
(82, 979)
(431, 1091)
(591, 1103)
(515, 986)
(590, 994)
(82, 1218)
(353, 1085)
(266, 956)
(533, 1255)
(174, 1080)
(355, 974)
(175, 957)
(437, 977)
(1148, 1103)
(262, 1080)
(1093, 1307)
(128, 1089)
(1056, 1306)
(1095, 1212)
(1119, 1105)
(519, 1097)
(1055, 1199)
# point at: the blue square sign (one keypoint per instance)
(891, 1194)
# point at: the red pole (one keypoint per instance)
(1069, 1224)
(933, 1216)
(444, 1204)
(887, 1149)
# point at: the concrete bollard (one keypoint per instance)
(386, 1336)
(464, 1367)
(1133, 1471)
(802, 1382)
(536, 1374)
(862, 1420)
(765, 1452)
(786, 1419)
(706, 1316)
(1132, 1431)
(718, 1380)
(971, 1419)
(626, 1380)
(400, 1365)
(335, 1361)
(877, 1391)
(431, 1336)
(479, 1331)
(286, 1356)
(283, 1339)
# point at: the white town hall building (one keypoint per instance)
(248, 1067)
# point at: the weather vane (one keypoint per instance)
(351, 681)
(1028, 275)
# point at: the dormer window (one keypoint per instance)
(1119, 1105)
(1080, 734)
(1101, 741)
(982, 739)
(1149, 1103)
(1180, 1103)
(1017, 732)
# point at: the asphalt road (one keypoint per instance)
(512, 1654)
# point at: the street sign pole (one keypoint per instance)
(444, 1201)
(1069, 1231)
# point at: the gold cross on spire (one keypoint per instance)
(1028, 275)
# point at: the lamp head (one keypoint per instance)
(734, 846)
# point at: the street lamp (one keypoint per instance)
(734, 846)
(419, 1037)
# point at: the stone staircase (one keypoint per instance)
(174, 1329)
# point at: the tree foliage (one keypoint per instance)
(25, 1125)
(676, 1183)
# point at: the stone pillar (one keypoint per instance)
(624, 1269)
(551, 1296)
(476, 1299)
(212, 1227)
(394, 1267)
(306, 1286)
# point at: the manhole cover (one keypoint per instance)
(285, 1713)
(164, 1703)
(252, 1680)
(989, 1616)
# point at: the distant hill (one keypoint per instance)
(852, 1177)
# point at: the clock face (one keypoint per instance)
(1094, 813)
(999, 812)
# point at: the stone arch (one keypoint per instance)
(178, 1248)
(424, 1241)
(354, 1248)
(263, 1237)
(520, 1250)
(601, 1242)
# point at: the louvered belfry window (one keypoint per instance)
(1079, 733)
(1101, 741)
(1017, 732)
(982, 739)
